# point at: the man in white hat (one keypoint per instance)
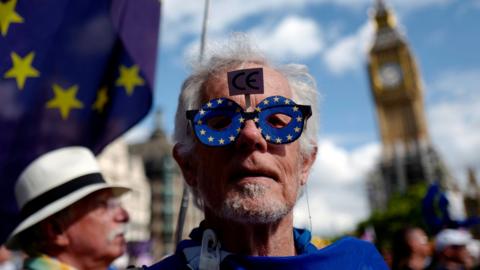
(451, 251)
(71, 217)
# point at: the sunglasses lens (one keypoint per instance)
(217, 123)
(280, 120)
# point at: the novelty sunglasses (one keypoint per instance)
(219, 121)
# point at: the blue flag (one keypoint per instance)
(72, 72)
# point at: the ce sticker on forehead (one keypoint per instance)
(245, 81)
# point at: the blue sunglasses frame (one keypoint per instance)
(228, 134)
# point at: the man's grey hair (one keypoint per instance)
(235, 53)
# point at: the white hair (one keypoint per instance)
(235, 53)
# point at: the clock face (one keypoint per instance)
(390, 75)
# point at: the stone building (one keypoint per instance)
(166, 184)
(119, 166)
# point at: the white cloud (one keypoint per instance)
(455, 119)
(409, 5)
(336, 188)
(292, 38)
(183, 19)
(349, 52)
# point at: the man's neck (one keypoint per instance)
(82, 263)
(417, 261)
(255, 239)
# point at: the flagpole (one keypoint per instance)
(204, 30)
(185, 195)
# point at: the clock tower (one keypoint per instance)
(407, 154)
(396, 86)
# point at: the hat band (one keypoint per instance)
(58, 192)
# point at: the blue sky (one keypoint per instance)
(332, 37)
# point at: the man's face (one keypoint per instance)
(97, 227)
(248, 181)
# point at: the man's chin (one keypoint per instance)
(119, 243)
(253, 211)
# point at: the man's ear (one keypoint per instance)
(55, 233)
(307, 163)
(185, 162)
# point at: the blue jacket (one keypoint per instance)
(347, 253)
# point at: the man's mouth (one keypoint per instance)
(255, 174)
(117, 232)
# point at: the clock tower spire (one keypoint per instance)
(407, 154)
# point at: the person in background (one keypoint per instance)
(6, 259)
(411, 249)
(71, 217)
(451, 251)
(246, 139)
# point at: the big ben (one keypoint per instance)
(408, 157)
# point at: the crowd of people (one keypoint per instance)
(245, 141)
(450, 249)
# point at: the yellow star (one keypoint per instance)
(278, 140)
(231, 138)
(289, 137)
(287, 101)
(295, 108)
(22, 69)
(299, 119)
(241, 119)
(210, 139)
(221, 141)
(267, 137)
(102, 99)
(276, 99)
(265, 102)
(8, 15)
(129, 78)
(64, 100)
(297, 129)
(202, 132)
(258, 109)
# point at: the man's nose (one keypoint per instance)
(121, 215)
(250, 138)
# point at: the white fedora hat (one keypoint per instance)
(55, 181)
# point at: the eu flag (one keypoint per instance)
(72, 72)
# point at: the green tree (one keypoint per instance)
(403, 209)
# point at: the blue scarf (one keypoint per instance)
(348, 253)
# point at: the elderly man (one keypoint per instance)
(71, 218)
(245, 145)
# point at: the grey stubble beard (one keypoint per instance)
(265, 210)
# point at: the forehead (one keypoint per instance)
(274, 84)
